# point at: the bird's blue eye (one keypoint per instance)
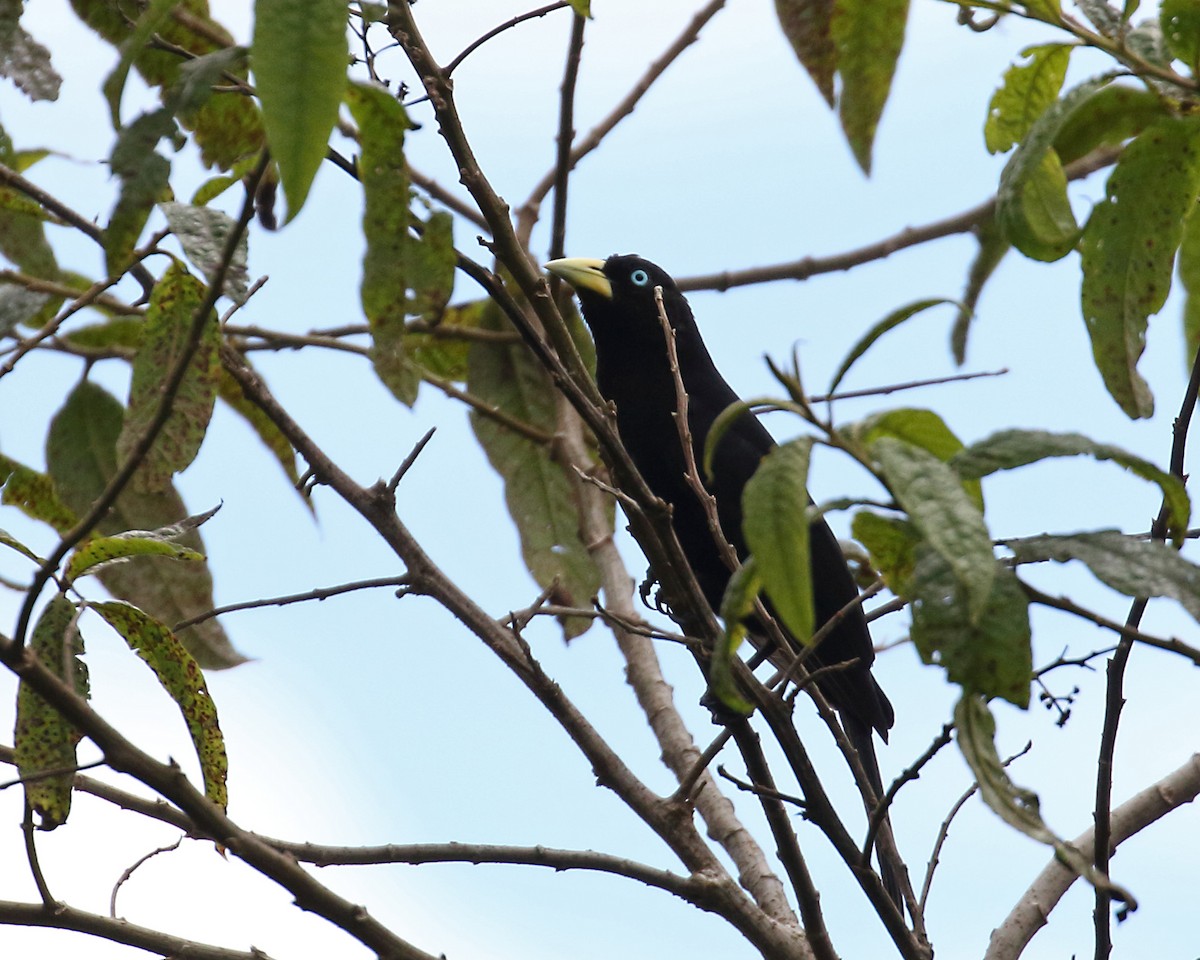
(640, 277)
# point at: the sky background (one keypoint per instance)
(364, 719)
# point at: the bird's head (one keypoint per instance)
(619, 292)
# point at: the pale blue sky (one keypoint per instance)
(366, 719)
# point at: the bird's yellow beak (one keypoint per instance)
(583, 274)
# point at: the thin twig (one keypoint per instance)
(496, 31)
(566, 133)
(1127, 633)
(320, 593)
(35, 866)
(408, 461)
(129, 872)
(911, 772)
(137, 453)
(1115, 696)
(527, 215)
(908, 237)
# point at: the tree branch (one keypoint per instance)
(1009, 939)
(908, 237)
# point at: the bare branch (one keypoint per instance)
(1115, 695)
(908, 237)
(1030, 914)
(64, 917)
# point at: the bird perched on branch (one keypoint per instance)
(632, 371)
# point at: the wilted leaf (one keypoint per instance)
(1129, 247)
(976, 732)
(1028, 89)
(300, 58)
(203, 233)
(182, 678)
(776, 525)
(34, 495)
(81, 457)
(23, 60)
(868, 36)
(44, 739)
(1009, 449)
(993, 245)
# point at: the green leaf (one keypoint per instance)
(1039, 221)
(1129, 247)
(538, 490)
(922, 428)
(1031, 203)
(153, 16)
(933, 496)
(271, 436)
(776, 525)
(1189, 276)
(868, 36)
(1109, 116)
(34, 495)
(890, 322)
(99, 552)
(993, 245)
(582, 7)
(81, 457)
(1008, 449)
(1130, 565)
(8, 540)
(174, 302)
(44, 739)
(1027, 90)
(446, 356)
(382, 123)
(300, 58)
(123, 331)
(736, 605)
(182, 678)
(227, 126)
(892, 544)
(1180, 21)
(1016, 806)
(988, 653)
(144, 175)
(806, 24)
(203, 233)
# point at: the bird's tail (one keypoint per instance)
(862, 738)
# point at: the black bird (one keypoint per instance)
(617, 296)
